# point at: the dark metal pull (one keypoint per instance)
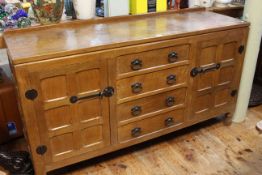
(136, 64)
(137, 110)
(197, 70)
(172, 57)
(107, 92)
(31, 94)
(170, 101)
(137, 87)
(136, 132)
(171, 79)
(169, 122)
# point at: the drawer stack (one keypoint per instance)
(151, 91)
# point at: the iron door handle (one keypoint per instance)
(197, 70)
(107, 92)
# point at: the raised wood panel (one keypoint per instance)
(89, 110)
(208, 55)
(222, 97)
(58, 118)
(84, 125)
(226, 75)
(151, 81)
(60, 148)
(212, 89)
(53, 87)
(151, 105)
(205, 81)
(150, 125)
(153, 58)
(92, 136)
(87, 80)
(202, 105)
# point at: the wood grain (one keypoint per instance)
(74, 131)
(228, 150)
(45, 43)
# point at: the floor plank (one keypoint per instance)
(209, 148)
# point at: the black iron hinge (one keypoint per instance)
(31, 94)
(41, 150)
(241, 49)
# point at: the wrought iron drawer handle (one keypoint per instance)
(136, 64)
(136, 132)
(172, 57)
(170, 101)
(107, 92)
(137, 87)
(169, 122)
(171, 79)
(197, 70)
(137, 110)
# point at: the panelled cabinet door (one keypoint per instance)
(72, 115)
(217, 71)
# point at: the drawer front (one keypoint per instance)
(144, 84)
(153, 58)
(150, 105)
(150, 125)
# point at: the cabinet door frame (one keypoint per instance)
(219, 38)
(27, 76)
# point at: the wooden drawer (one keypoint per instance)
(145, 107)
(150, 125)
(152, 58)
(145, 84)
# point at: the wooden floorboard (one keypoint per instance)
(209, 148)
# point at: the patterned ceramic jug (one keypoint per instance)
(48, 11)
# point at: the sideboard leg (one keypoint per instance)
(228, 119)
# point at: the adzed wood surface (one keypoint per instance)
(71, 38)
(68, 107)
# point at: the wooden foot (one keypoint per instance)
(228, 119)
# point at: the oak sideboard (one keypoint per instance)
(87, 88)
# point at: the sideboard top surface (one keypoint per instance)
(35, 44)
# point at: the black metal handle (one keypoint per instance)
(137, 87)
(136, 110)
(136, 132)
(171, 79)
(197, 70)
(136, 64)
(107, 92)
(172, 57)
(170, 101)
(169, 122)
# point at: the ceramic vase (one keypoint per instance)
(48, 11)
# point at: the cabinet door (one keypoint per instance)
(72, 117)
(216, 73)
